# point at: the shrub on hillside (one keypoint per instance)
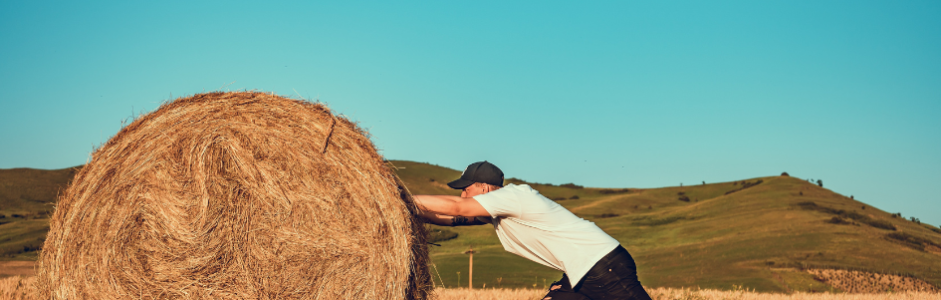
(655, 222)
(838, 220)
(820, 182)
(608, 215)
(575, 197)
(682, 196)
(810, 205)
(911, 241)
(745, 185)
(614, 191)
(784, 174)
(571, 186)
(935, 229)
(19, 247)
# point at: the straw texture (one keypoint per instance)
(236, 195)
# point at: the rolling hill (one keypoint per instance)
(759, 233)
(27, 198)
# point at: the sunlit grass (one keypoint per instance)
(683, 294)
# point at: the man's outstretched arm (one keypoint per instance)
(451, 205)
(443, 220)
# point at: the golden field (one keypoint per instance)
(685, 294)
(21, 288)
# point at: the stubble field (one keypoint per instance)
(685, 294)
(21, 288)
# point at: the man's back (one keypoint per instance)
(532, 226)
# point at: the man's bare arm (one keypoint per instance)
(451, 205)
(454, 220)
(445, 220)
(463, 221)
(433, 205)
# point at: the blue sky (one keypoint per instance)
(608, 94)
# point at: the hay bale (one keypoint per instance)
(236, 195)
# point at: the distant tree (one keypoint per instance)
(820, 182)
(801, 193)
(851, 198)
(916, 220)
(785, 174)
(703, 182)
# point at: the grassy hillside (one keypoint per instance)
(27, 197)
(759, 233)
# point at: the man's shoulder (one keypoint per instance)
(521, 187)
(518, 191)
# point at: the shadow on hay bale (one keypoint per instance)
(236, 195)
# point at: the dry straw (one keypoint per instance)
(236, 195)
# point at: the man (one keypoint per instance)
(532, 226)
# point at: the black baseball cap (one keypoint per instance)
(481, 171)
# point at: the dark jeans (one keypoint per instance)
(612, 277)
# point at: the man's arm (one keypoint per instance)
(443, 220)
(451, 205)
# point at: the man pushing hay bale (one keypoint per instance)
(236, 195)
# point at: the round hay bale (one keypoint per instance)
(236, 195)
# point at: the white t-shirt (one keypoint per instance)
(532, 226)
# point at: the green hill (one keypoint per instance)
(758, 233)
(27, 197)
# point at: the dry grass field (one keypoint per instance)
(865, 282)
(17, 288)
(21, 288)
(685, 294)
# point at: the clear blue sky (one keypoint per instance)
(608, 94)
